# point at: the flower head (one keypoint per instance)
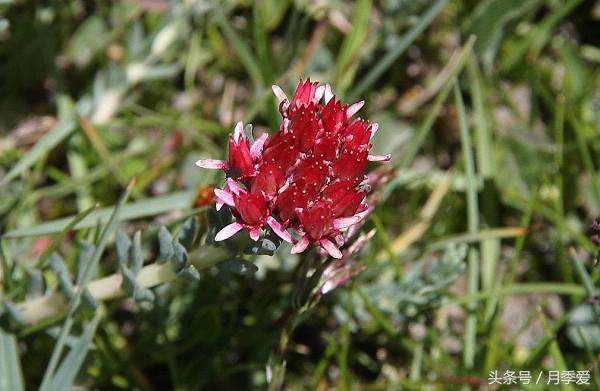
(307, 178)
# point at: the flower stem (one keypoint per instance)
(108, 288)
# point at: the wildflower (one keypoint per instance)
(342, 270)
(308, 178)
(251, 212)
(241, 156)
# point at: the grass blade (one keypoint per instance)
(419, 138)
(493, 341)
(473, 225)
(87, 274)
(586, 156)
(143, 208)
(62, 130)
(491, 21)
(408, 38)
(536, 39)
(490, 249)
(554, 348)
(11, 377)
(101, 149)
(57, 240)
(70, 366)
(483, 234)
(241, 48)
(262, 43)
(585, 277)
(347, 60)
(525, 288)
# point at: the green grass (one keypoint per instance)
(482, 257)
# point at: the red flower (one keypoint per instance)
(308, 177)
(282, 150)
(305, 127)
(240, 161)
(241, 156)
(268, 180)
(251, 212)
(317, 220)
(344, 196)
(351, 164)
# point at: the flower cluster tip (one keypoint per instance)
(308, 178)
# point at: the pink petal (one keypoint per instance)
(340, 277)
(279, 93)
(279, 229)
(374, 129)
(233, 186)
(328, 93)
(254, 234)
(300, 246)
(361, 241)
(319, 93)
(366, 212)
(224, 197)
(257, 146)
(228, 231)
(379, 158)
(345, 222)
(284, 187)
(285, 125)
(238, 131)
(331, 248)
(213, 164)
(354, 108)
(327, 287)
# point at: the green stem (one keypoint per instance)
(109, 288)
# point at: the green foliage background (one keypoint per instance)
(482, 258)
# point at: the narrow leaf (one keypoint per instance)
(11, 377)
(382, 65)
(68, 324)
(144, 208)
(62, 130)
(71, 365)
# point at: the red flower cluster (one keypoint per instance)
(308, 178)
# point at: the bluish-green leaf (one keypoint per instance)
(238, 266)
(137, 256)
(188, 233)
(165, 245)
(180, 258)
(189, 273)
